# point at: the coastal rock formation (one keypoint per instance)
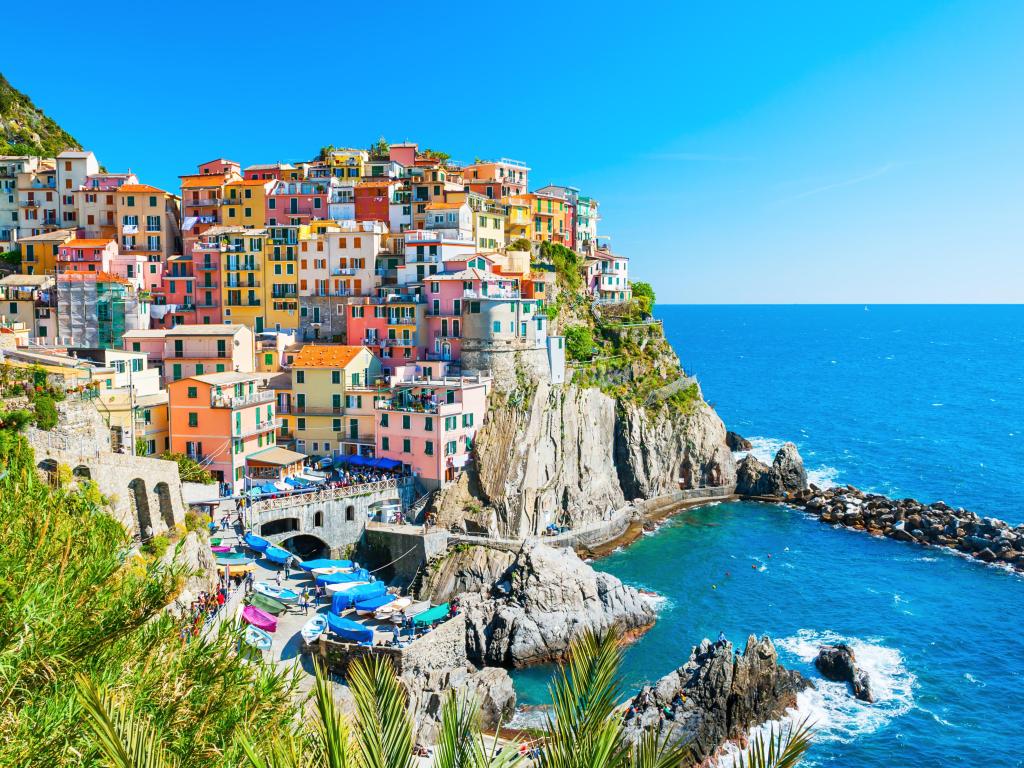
(838, 663)
(545, 597)
(786, 475)
(717, 695)
(986, 539)
(572, 455)
(737, 442)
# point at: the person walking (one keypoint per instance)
(305, 601)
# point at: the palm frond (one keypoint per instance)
(383, 727)
(124, 739)
(655, 751)
(332, 732)
(782, 747)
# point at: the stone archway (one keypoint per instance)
(350, 513)
(140, 506)
(281, 525)
(307, 546)
(82, 472)
(163, 494)
(49, 469)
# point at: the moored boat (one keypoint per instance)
(384, 612)
(312, 565)
(344, 586)
(313, 628)
(258, 543)
(369, 606)
(277, 555)
(220, 548)
(233, 558)
(257, 617)
(331, 570)
(267, 604)
(349, 630)
(399, 617)
(257, 638)
(283, 594)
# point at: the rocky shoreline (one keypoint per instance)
(986, 539)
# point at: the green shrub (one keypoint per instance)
(644, 295)
(156, 546)
(579, 342)
(189, 470)
(45, 411)
(194, 521)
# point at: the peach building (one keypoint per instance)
(220, 420)
(194, 350)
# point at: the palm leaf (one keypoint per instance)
(124, 739)
(383, 728)
(783, 747)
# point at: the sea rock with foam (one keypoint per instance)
(717, 696)
(785, 476)
(838, 663)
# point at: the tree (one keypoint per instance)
(45, 411)
(380, 148)
(435, 154)
(189, 470)
(579, 342)
(644, 294)
(520, 244)
(325, 152)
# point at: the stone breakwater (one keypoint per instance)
(932, 525)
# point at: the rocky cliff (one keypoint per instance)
(717, 696)
(570, 455)
(524, 607)
(25, 129)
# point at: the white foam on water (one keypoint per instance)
(837, 715)
(529, 718)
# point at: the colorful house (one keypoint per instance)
(429, 424)
(497, 179)
(298, 202)
(220, 420)
(245, 203)
(608, 276)
(148, 219)
(86, 255)
(448, 295)
(96, 202)
(333, 387)
(39, 253)
(391, 327)
(194, 350)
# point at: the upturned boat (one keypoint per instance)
(399, 617)
(258, 543)
(282, 594)
(369, 606)
(323, 562)
(257, 617)
(267, 604)
(277, 555)
(313, 628)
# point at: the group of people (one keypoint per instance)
(345, 478)
(203, 609)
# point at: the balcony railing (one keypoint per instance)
(202, 201)
(375, 342)
(230, 302)
(264, 426)
(204, 265)
(239, 285)
(225, 400)
(338, 271)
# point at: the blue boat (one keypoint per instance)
(340, 601)
(252, 541)
(366, 607)
(309, 565)
(277, 555)
(350, 630)
(257, 638)
(341, 578)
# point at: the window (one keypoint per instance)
(496, 326)
(450, 447)
(336, 425)
(300, 377)
(428, 424)
(450, 423)
(193, 419)
(301, 425)
(406, 421)
(199, 369)
(467, 419)
(193, 393)
(385, 444)
(268, 359)
(383, 419)
(136, 346)
(407, 446)
(176, 371)
(428, 447)
(335, 377)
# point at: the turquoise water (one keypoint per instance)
(918, 401)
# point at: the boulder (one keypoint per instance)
(755, 478)
(790, 468)
(838, 663)
(737, 442)
(717, 695)
(193, 555)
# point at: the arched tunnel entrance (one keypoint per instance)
(307, 547)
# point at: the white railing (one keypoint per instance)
(297, 497)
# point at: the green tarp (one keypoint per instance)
(436, 613)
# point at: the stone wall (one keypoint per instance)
(332, 325)
(505, 360)
(402, 553)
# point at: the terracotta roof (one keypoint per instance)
(443, 206)
(83, 242)
(140, 188)
(203, 180)
(99, 277)
(277, 456)
(251, 182)
(325, 356)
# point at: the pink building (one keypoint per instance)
(429, 424)
(391, 328)
(174, 301)
(193, 350)
(87, 255)
(206, 257)
(448, 295)
(297, 202)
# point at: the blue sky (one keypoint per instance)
(741, 151)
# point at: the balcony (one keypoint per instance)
(205, 266)
(318, 411)
(401, 320)
(129, 229)
(339, 271)
(264, 426)
(202, 201)
(282, 257)
(241, 266)
(412, 341)
(238, 285)
(431, 312)
(239, 302)
(203, 304)
(492, 294)
(240, 401)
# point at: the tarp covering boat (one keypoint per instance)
(347, 629)
(342, 600)
(259, 618)
(267, 604)
(340, 578)
(371, 605)
(309, 565)
(252, 541)
(220, 548)
(344, 586)
(235, 569)
(233, 559)
(436, 613)
(277, 555)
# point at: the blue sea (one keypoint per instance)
(909, 401)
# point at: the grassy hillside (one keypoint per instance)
(25, 129)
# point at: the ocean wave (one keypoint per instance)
(765, 448)
(837, 715)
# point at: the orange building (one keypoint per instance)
(221, 419)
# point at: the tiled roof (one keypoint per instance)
(325, 356)
(83, 242)
(141, 188)
(443, 206)
(203, 180)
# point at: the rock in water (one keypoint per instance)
(737, 442)
(785, 476)
(717, 695)
(838, 663)
(790, 468)
(548, 596)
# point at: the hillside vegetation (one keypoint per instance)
(27, 130)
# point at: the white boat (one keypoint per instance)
(331, 569)
(384, 612)
(398, 617)
(344, 586)
(313, 628)
(259, 639)
(283, 594)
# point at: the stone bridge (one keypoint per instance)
(330, 520)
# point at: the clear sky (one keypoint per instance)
(742, 151)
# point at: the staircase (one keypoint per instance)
(417, 507)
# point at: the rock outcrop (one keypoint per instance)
(785, 476)
(838, 663)
(193, 555)
(530, 612)
(571, 455)
(986, 539)
(717, 696)
(737, 442)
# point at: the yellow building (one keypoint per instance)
(242, 260)
(39, 252)
(333, 388)
(245, 202)
(520, 218)
(149, 428)
(281, 276)
(147, 224)
(347, 163)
